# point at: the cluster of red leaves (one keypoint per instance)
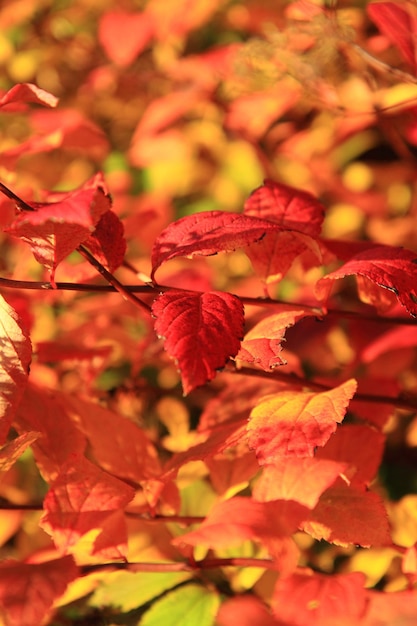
(206, 418)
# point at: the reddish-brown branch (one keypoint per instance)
(10, 283)
(108, 276)
(181, 566)
(294, 380)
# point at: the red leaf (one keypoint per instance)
(207, 233)
(233, 521)
(16, 354)
(11, 451)
(320, 600)
(55, 229)
(108, 243)
(262, 344)
(130, 455)
(289, 207)
(345, 515)
(124, 35)
(299, 216)
(245, 610)
(201, 330)
(18, 96)
(388, 267)
(28, 590)
(66, 129)
(176, 19)
(399, 25)
(300, 480)
(84, 498)
(236, 400)
(360, 448)
(60, 439)
(294, 423)
(396, 608)
(251, 115)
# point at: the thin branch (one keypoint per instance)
(181, 567)
(21, 204)
(108, 276)
(10, 283)
(293, 379)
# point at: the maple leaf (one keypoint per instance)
(262, 344)
(399, 25)
(55, 229)
(207, 233)
(294, 423)
(238, 519)
(346, 515)
(83, 498)
(320, 600)
(15, 358)
(301, 480)
(28, 590)
(18, 96)
(124, 35)
(201, 331)
(388, 267)
(299, 216)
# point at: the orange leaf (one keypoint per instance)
(124, 35)
(345, 515)
(294, 423)
(28, 590)
(245, 610)
(59, 440)
(262, 344)
(360, 448)
(319, 600)
(18, 96)
(130, 455)
(301, 480)
(84, 498)
(16, 354)
(239, 519)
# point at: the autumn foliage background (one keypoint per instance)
(208, 384)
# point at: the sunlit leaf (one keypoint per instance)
(15, 357)
(320, 600)
(188, 605)
(82, 499)
(201, 332)
(55, 229)
(294, 423)
(28, 590)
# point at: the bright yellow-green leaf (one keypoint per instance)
(190, 605)
(128, 590)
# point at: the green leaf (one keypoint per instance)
(190, 605)
(129, 590)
